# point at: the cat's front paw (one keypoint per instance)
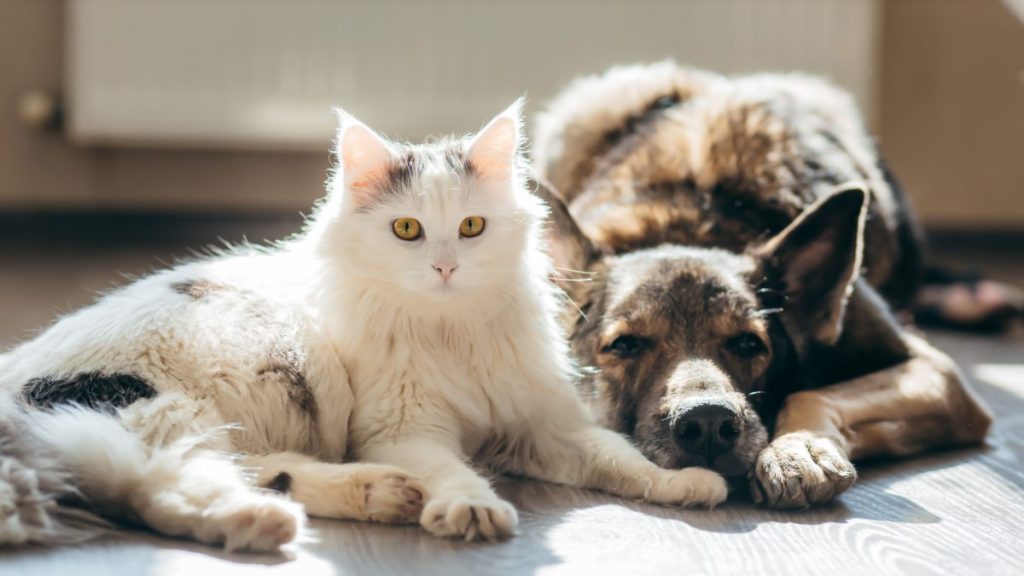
(470, 519)
(394, 498)
(689, 487)
(374, 492)
(800, 469)
(252, 523)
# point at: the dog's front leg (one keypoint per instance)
(594, 457)
(922, 403)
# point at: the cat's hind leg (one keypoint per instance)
(178, 489)
(352, 491)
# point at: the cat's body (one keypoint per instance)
(230, 333)
(412, 324)
(211, 359)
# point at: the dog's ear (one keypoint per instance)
(814, 263)
(570, 249)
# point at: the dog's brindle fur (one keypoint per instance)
(658, 154)
(779, 332)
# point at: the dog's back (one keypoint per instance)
(657, 154)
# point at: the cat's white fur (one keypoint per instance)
(345, 337)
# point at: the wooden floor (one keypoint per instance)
(958, 512)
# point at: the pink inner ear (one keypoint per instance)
(494, 149)
(364, 159)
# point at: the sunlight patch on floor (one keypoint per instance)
(1008, 377)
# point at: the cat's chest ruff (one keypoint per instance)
(425, 364)
(430, 377)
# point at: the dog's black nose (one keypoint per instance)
(708, 429)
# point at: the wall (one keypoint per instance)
(953, 110)
(39, 171)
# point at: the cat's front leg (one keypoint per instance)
(461, 503)
(351, 491)
(593, 457)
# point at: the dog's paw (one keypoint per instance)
(689, 487)
(800, 469)
(254, 524)
(393, 497)
(483, 519)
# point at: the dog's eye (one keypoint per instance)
(627, 346)
(747, 345)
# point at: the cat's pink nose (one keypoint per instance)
(445, 270)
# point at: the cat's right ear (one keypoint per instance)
(364, 159)
(570, 249)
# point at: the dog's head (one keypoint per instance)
(682, 342)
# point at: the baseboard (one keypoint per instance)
(1008, 241)
(109, 228)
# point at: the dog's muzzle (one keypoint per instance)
(708, 430)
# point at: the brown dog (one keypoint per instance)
(697, 352)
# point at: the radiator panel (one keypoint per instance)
(265, 73)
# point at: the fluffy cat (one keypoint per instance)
(412, 322)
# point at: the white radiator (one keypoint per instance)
(265, 73)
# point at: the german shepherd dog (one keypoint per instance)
(730, 293)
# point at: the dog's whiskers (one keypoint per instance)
(758, 396)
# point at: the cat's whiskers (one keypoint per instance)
(583, 272)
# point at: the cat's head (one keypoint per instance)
(443, 221)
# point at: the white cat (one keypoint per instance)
(412, 321)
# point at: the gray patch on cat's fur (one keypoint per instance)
(94, 390)
(403, 170)
(287, 365)
(457, 160)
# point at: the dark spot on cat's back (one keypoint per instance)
(197, 289)
(94, 390)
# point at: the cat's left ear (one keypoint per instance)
(494, 151)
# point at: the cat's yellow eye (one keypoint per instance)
(407, 228)
(471, 226)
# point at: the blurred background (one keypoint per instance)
(132, 129)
